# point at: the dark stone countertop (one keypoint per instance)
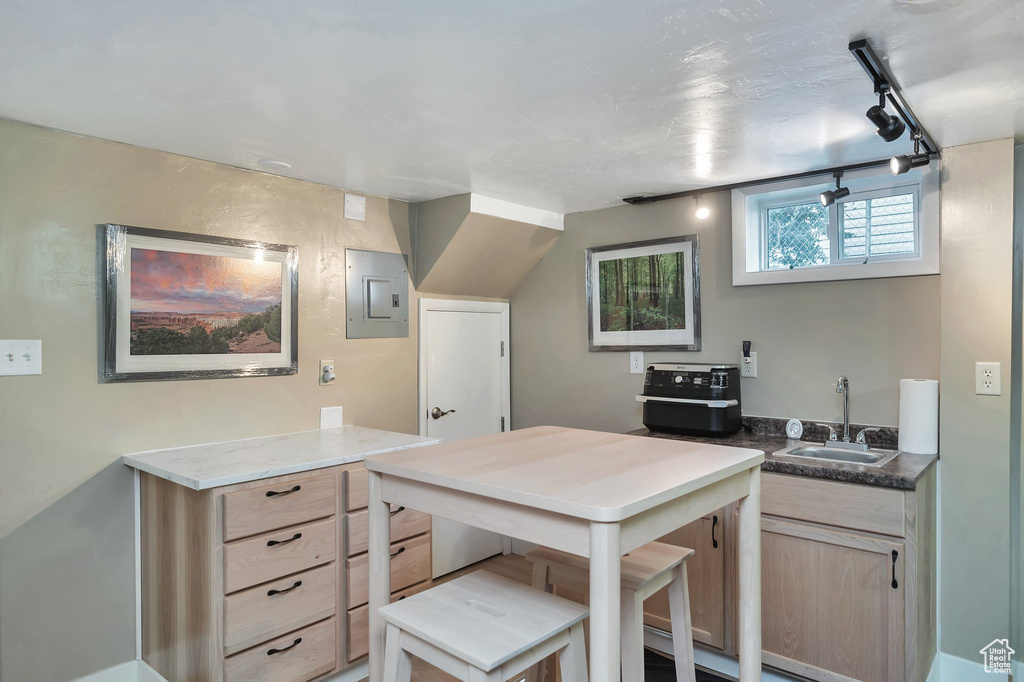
(900, 473)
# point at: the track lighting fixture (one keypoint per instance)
(828, 198)
(702, 211)
(889, 127)
(902, 164)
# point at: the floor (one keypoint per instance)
(515, 567)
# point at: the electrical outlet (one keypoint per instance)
(748, 366)
(988, 378)
(636, 362)
(330, 417)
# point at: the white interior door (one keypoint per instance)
(464, 375)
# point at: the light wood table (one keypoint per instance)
(592, 494)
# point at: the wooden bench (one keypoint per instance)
(483, 628)
(644, 571)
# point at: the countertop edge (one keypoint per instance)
(136, 461)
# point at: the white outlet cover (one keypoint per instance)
(21, 356)
(636, 362)
(330, 417)
(748, 366)
(355, 207)
(988, 378)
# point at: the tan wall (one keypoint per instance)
(977, 246)
(874, 331)
(66, 563)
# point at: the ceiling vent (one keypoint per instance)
(471, 245)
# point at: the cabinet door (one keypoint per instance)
(706, 574)
(832, 602)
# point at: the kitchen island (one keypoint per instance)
(253, 555)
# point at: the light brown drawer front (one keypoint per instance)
(860, 507)
(315, 655)
(263, 612)
(405, 523)
(410, 564)
(355, 482)
(278, 505)
(254, 561)
(358, 629)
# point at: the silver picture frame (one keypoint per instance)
(690, 246)
(117, 294)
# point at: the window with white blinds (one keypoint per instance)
(880, 226)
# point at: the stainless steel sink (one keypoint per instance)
(871, 458)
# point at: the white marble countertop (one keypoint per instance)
(215, 464)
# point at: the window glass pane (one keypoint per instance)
(876, 227)
(796, 236)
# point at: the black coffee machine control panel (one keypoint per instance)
(691, 381)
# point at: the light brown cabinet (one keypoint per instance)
(848, 579)
(705, 577)
(265, 580)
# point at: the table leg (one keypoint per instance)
(379, 556)
(749, 553)
(605, 555)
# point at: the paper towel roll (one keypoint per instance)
(919, 416)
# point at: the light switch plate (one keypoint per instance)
(748, 366)
(21, 356)
(355, 207)
(636, 362)
(988, 378)
(330, 417)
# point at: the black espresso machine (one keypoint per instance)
(699, 400)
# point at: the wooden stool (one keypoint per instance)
(644, 571)
(483, 628)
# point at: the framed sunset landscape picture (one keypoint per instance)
(188, 306)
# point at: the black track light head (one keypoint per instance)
(889, 127)
(902, 164)
(828, 198)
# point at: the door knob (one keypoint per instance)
(437, 413)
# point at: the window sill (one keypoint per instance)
(826, 273)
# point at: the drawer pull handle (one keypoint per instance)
(398, 511)
(271, 593)
(895, 584)
(400, 550)
(714, 522)
(271, 543)
(275, 493)
(286, 648)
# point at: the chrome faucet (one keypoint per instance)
(843, 386)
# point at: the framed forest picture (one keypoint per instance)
(188, 306)
(645, 295)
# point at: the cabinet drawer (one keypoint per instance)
(410, 564)
(277, 505)
(270, 610)
(294, 661)
(355, 482)
(845, 505)
(283, 552)
(358, 629)
(405, 523)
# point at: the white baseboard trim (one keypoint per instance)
(955, 669)
(139, 671)
(715, 662)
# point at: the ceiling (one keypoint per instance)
(565, 105)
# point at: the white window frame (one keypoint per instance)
(750, 206)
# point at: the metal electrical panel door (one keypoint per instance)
(376, 295)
